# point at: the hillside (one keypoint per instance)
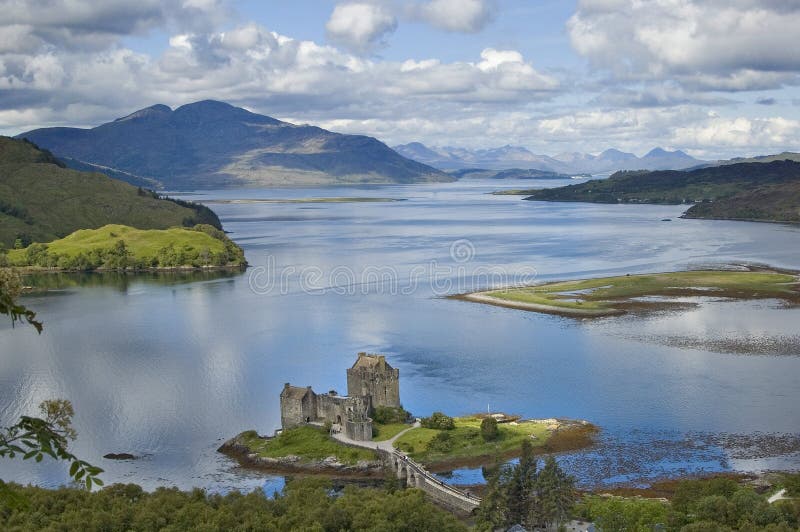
(40, 200)
(116, 247)
(756, 191)
(213, 144)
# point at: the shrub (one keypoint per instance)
(441, 443)
(489, 429)
(439, 421)
(388, 414)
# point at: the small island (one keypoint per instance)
(609, 296)
(368, 433)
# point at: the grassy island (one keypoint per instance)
(465, 443)
(307, 449)
(119, 247)
(607, 296)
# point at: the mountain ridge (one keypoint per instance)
(507, 157)
(210, 144)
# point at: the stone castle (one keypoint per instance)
(371, 383)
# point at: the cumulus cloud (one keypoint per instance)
(729, 45)
(360, 26)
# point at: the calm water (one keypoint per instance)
(167, 367)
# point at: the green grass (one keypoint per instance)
(143, 244)
(388, 431)
(309, 443)
(613, 294)
(467, 442)
(44, 201)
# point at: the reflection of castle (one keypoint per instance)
(371, 382)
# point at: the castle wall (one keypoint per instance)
(331, 408)
(358, 430)
(298, 410)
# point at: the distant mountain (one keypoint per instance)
(41, 200)
(511, 173)
(507, 157)
(214, 144)
(741, 191)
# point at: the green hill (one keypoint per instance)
(41, 200)
(214, 144)
(117, 247)
(767, 191)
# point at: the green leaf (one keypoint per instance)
(88, 483)
(39, 457)
(73, 468)
(30, 454)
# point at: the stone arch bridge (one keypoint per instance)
(415, 475)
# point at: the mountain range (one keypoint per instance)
(449, 159)
(213, 144)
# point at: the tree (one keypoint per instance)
(489, 430)
(438, 420)
(555, 494)
(520, 494)
(33, 437)
(10, 289)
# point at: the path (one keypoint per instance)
(780, 496)
(415, 474)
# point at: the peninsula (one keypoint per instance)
(755, 191)
(608, 296)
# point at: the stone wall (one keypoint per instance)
(378, 380)
(298, 406)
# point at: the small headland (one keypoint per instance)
(609, 296)
(310, 449)
(122, 248)
(480, 439)
(307, 449)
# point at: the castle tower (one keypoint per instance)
(372, 376)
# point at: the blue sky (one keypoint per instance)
(717, 78)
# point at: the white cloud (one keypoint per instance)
(729, 45)
(457, 15)
(360, 26)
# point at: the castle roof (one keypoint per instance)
(366, 360)
(294, 392)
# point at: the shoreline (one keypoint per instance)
(633, 301)
(482, 297)
(28, 270)
(576, 436)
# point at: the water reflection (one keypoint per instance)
(168, 366)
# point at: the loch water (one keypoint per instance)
(168, 366)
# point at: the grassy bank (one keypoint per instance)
(615, 295)
(119, 247)
(464, 444)
(382, 432)
(307, 443)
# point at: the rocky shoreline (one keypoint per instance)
(236, 449)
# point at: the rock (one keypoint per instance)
(120, 456)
